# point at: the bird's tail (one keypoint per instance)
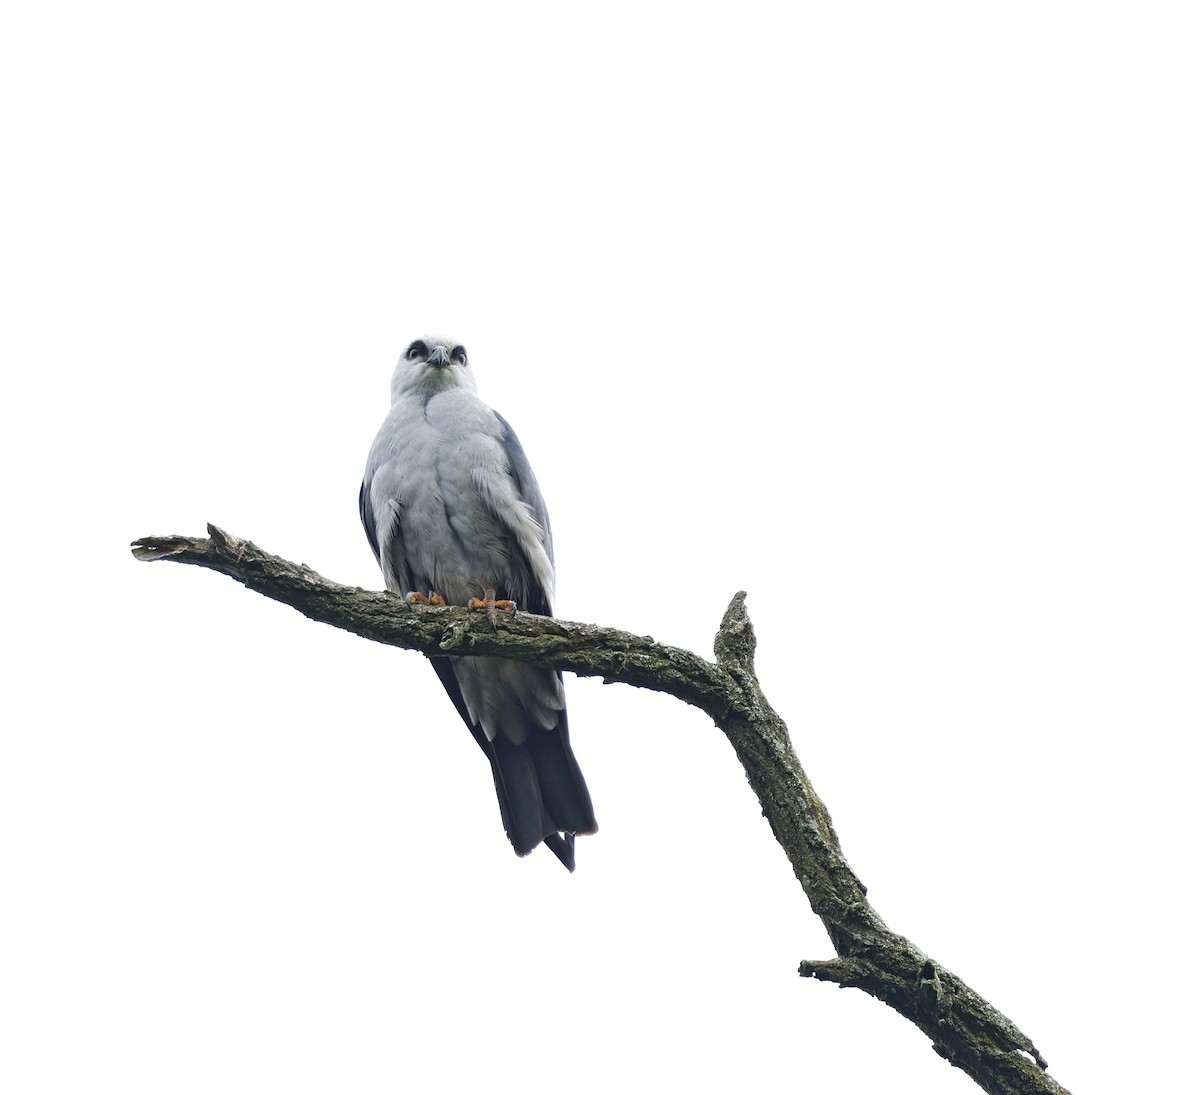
(543, 797)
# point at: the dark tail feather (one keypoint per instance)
(543, 798)
(564, 793)
(525, 817)
(563, 846)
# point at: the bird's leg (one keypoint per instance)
(490, 603)
(421, 599)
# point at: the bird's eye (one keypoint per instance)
(417, 350)
(458, 355)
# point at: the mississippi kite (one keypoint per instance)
(450, 506)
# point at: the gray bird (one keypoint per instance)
(451, 507)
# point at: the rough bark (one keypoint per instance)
(964, 1028)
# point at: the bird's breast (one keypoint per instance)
(448, 466)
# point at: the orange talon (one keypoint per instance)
(421, 599)
(490, 604)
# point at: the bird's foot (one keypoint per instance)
(490, 604)
(421, 599)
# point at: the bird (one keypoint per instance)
(454, 514)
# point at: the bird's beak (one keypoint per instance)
(439, 357)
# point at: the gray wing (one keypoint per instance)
(367, 513)
(395, 565)
(528, 491)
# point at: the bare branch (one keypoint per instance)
(964, 1028)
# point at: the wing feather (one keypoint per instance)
(367, 513)
(521, 473)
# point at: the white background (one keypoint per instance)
(883, 313)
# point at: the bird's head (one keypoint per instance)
(432, 364)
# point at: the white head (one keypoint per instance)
(430, 365)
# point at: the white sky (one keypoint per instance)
(883, 313)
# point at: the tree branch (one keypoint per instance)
(964, 1028)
